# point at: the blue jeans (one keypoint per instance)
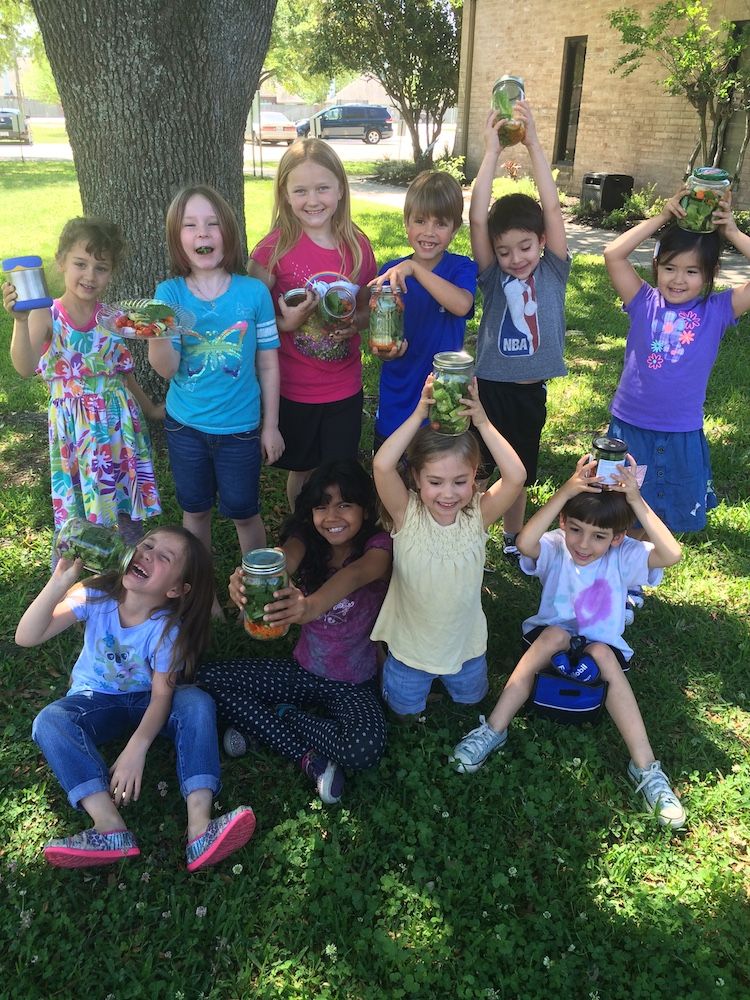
(405, 688)
(69, 730)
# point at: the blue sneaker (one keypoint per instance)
(474, 749)
(325, 774)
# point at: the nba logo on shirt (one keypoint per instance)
(519, 332)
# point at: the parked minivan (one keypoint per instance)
(368, 122)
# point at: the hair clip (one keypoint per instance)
(657, 247)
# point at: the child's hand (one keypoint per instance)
(723, 217)
(389, 353)
(10, 297)
(472, 407)
(295, 316)
(346, 331)
(492, 142)
(524, 108)
(673, 209)
(425, 399)
(125, 776)
(626, 481)
(237, 588)
(395, 276)
(271, 444)
(154, 411)
(66, 572)
(289, 607)
(584, 479)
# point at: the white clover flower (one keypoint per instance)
(167, 954)
(140, 906)
(146, 877)
(445, 814)
(166, 914)
(201, 911)
(513, 871)
(576, 762)
(122, 887)
(162, 788)
(571, 948)
(236, 869)
(331, 951)
(546, 962)
(719, 981)
(34, 959)
(546, 914)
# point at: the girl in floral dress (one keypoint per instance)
(100, 452)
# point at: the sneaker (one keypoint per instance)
(325, 774)
(654, 786)
(235, 744)
(510, 551)
(476, 746)
(629, 616)
(635, 598)
(90, 848)
(222, 837)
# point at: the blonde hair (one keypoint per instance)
(233, 259)
(345, 232)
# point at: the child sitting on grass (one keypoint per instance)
(586, 567)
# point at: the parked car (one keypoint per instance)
(13, 125)
(368, 122)
(274, 127)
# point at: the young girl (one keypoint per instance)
(432, 616)
(100, 453)
(221, 418)
(320, 707)
(145, 629)
(675, 333)
(321, 378)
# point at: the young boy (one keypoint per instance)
(524, 266)
(586, 567)
(438, 288)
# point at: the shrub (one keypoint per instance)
(638, 205)
(403, 172)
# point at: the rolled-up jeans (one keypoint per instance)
(69, 731)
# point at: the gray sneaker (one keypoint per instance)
(654, 786)
(474, 749)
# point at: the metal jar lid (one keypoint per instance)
(453, 361)
(264, 562)
(615, 446)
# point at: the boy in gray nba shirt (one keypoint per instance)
(522, 254)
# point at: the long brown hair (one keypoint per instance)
(345, 232)
(190, 613)
(233, 260)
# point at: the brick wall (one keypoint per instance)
(627, 125)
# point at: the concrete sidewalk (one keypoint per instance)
(735, 269)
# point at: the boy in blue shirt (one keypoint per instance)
(438, 289)
(522, 254)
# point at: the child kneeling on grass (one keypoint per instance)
(586, 567)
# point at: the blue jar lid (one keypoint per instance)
(21, 263)
(28, 304)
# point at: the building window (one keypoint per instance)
(569, 105)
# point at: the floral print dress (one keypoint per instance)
(99, 446)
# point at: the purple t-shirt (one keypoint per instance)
(669, 354)
(337, 645)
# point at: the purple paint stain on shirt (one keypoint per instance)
(593, 604)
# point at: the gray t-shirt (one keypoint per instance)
(522, 332)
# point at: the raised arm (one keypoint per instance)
(725, 221)
(583, 480)
(667, 550)
(554, 227)
(482, 249)
(31, 333)
(390, 486)
(48, 614)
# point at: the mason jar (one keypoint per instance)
(505, 93)
(707, 186)
(336, 306)
(608, 453)
(101, 548)
(386, 319)
(453, 371)
(263, 573)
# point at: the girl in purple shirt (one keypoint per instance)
(342, 562)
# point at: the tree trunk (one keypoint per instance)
(156, 94)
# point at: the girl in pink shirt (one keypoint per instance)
(313, 243)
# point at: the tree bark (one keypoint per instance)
(156, 94)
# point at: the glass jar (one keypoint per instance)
(506, 91)
(707, 186)
(608, 453)
(101, 548)
(453, 371)
(263, 573)
(386, 319)
(336, 306)
(26, 274)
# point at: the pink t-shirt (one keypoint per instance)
(307, 379)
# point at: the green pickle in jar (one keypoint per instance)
(608, 453)
(99, 547)
(263, 573)
(453, 372)
(505, 93)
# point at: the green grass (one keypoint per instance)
(44, 132)
(537, 877)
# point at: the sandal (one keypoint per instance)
(221, 838)
(90, 848)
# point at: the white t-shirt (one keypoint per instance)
(589, 600)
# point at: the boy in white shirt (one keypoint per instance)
(586, 567)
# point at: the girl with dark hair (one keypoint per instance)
(320, 706)
(145, 629)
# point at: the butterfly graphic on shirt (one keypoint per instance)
(338, 612)
(519, 330)
(213, 352)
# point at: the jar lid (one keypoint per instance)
(264, 561)
(453, 361)
(714, 174)
(605, 443)
(294, 296)
(21, 263)
(511, 86)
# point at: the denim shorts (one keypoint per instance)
(206, 464)
(405, 689)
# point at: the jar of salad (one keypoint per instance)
(453, 371)
(707, 186)
(608, 453)
(336, 306)
(386, 319)
(263, 573)
(505, 93)
(101, 548)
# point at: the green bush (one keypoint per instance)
(507, 185)
(403, 172)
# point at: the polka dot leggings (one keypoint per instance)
(346, 723)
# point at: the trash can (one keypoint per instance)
(606, 191)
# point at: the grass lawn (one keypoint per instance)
(540, 876)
